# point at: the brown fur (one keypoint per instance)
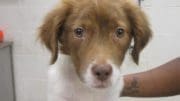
(100, 18)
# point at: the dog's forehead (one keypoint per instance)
(98, 13)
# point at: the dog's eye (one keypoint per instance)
(79, 32)
(119, 32)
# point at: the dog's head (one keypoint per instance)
(96, 35)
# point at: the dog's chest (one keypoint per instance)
(64, 85)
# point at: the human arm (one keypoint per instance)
(161, 81)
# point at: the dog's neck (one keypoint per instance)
(65, 84)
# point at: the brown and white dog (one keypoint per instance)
(93, 37)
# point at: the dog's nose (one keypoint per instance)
(102, 72)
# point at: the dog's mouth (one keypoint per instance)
(94, 83)
(102, 85)
(98, 84)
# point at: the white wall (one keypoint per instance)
(21, 18)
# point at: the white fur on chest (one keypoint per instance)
(64, 85)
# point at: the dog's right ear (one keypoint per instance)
(50, 31)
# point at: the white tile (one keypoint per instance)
(146, 3)
(38, 87)
(165, 3)
(10, 17)
(36, 3)
(31, 90)
(9, 2)
(164, 20)
(32, 17)
(31, 66)
(160, 50)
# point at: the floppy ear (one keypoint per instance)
(140, 29)
(50, 31)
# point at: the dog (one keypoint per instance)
(88, 40)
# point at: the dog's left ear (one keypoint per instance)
(140, 29)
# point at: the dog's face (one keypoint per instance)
(96, 35)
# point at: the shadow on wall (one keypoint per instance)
(8, 1)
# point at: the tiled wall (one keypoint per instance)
(21, 18)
